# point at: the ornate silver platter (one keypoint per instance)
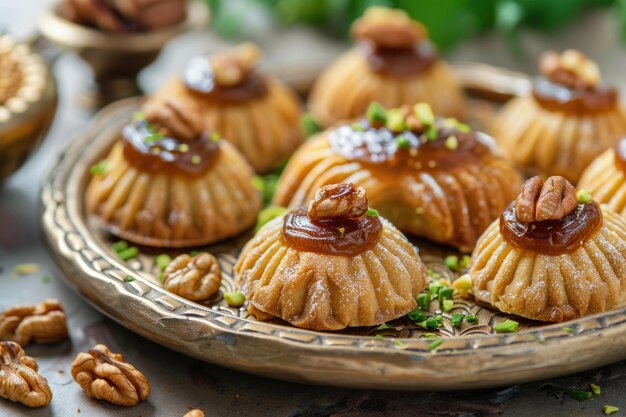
(396, 357)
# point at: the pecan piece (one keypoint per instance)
(344, 200)
(388, 28)
(19, 380)
(194, 278)
(550, 200)
(104, 375)
(232, 67)
(175, 117)
(42, 323)
(570, 68)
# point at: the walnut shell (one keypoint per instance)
(606, 182)
(173, 210)
(451, 206)
(43, 323)
(555, 143)
(317, 291)
(19, 380)
(347, 86)
(552, 288)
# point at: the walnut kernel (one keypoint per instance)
(42, 323)
(195, 278)
(391, 28)
(550, 200)
(19, 380)
(338, 201)
(176, 117)
(570, 68)
(104, 375)
(233, 66)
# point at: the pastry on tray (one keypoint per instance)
(394, 63)
(569, 119)
(553, 255)
(253, 111)
(430, 176)
(169, 182)
(605, 178)
(333, 265)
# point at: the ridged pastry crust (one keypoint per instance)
(170, 210)
(348, 86)
(266, 130)
(606, 182)
(451, 206)
(327, 292)
(553, 287)
(555, 143)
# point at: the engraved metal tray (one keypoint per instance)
(472, 356)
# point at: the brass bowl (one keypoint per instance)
(116, 59)
(25, 117)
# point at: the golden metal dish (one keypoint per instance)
(473, 356)
(25, 117)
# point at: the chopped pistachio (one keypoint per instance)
(215, 137)
(138, 116)
(451, 262)
(424, 113)
(128, 254)
(398, 343)
(457, 319)
(358, 127)
(196, 159)
(465, 260)
(439, 320)
(379, 337)
(235, 298)
(119, 246)
(432, 134)
(376, 113)
(434, 287)
(423, 301)
(153, 137)
(447, 305)
(463, 285)
(26, 269)
(342, 230)
(452, 143)
(429, 335)
(183, 148)
(402, 142)
(445, 293)
(46, 279)
(609, 409)
(463, 128)
(395, 120)
(371, 212)
(193, 253)
(382, 327)
(580, 395)
(417, 315)
(435, 344)
(129, 278)
(309, 125)
(583, 196)
(269, 213)
(432, 323)
(507, 326)
(471, 318)
(162, 261)
(258, 182)
(568, 329)
(99, 168)
(595, 389)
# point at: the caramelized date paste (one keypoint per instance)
(556, 97)
(551, 237)
(347, 237)
(200, 78)
(620, 155)
(399, 62)
(381, 146)
(167, 154)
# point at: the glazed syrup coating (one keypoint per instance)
(191, 158)
(557, 97)
(551, 237)
(377, 146)
(336, 236)
(399, 62)
(620, 154)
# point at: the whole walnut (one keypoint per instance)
(195, 278)
(42, 323)
(550, 200)
(176, 117)
(344, 200)
(104, 375)
(19, 380)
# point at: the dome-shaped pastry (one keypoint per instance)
(253, 111)
(570, 118)
(553, 255)
(393, 63)
(429, 176)
(333, 266)
(168, 182)
(605, 178)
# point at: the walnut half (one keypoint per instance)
(550, 200)
(19, 380)
(177, 117)
(104, 375)
(195, 278)
(571, 68)
(43, 323)
(344, 200)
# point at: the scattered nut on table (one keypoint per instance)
(104, 375)
(196, 278)
(41, 323)
(195, 413)
(19, 380)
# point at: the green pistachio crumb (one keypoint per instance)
(609, 409)
(342, 230)
(423, 301)
(357, 127)
(371, 212)
(452, 143)
(431, 323)
(432, 134)
(568, 329)
(376, 113)
(465, 260)
(379, 337)
(129, 278)
(580, 395)
(471, 318)
(424, 113)
(595, 389)
(583, 196)
(162, 261)
(128, 254)
(99, 168)
(382, 326)
(435, 344)
(119, 246)
(445, 294)
(235, 298)
(395, 120)
(447, 305)
(457, 319)
(215, 137)
(451, 262)
(402, 142)
(268, 214)
(398, 343)
(507, 326)
(138, 116)
(417, 315)
(309, 125)
(46, 279)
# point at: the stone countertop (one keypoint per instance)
(179, 382)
